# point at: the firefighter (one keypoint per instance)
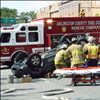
(92, 52)
(59, 58)
(76, 52)
(86, 47)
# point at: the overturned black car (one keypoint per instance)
(37, 65)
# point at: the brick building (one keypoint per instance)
(70, 9)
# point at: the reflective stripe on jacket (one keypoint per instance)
(59, 58)
(77, 54)
(93, 52)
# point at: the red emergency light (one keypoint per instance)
(49, 24)
(8, 28)
(12, 28)
(4, 28)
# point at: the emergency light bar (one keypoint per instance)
(8, 28)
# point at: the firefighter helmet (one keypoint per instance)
(74, 39)
(64, 46)
(91, 38)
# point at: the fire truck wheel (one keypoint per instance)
(64, 39)
(34, 60)
(82, 42)
(20, 56)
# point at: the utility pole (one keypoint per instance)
(91, 8)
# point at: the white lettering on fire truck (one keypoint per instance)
(65, 23)
(91, 22)
(98, 22)
(92, 27)
(80, 22)
(77, 28)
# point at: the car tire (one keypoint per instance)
(34, 60)
(13, 59)
(82, 42)
(20, 56)
(63, 39)
(36, 69)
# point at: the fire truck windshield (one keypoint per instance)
(15, 26)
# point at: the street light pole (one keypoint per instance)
(91, 8)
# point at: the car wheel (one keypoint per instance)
(20, 56)
(34, 60)
(82, 42)
(64, 39)
(13, 59)
(34, 64)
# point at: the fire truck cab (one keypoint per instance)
(21, 38)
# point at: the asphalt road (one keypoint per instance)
(29, 91)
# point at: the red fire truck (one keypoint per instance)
(44, 34)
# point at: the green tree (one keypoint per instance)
(27, 15)
(13, 13)
(32, 15)
(8, 13)
(22, 17)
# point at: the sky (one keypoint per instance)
(26, 6)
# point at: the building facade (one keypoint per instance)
(43, 12)
(70, 9)
(91, 7)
